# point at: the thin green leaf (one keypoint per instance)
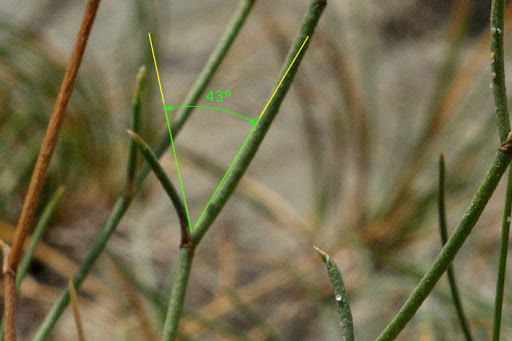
(340, 294)
(444, 237)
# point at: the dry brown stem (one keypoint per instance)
(41, 168)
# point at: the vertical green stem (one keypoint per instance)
(500, 101)
(132, 158)
(444, 237)
(178, 292)
(500, 284)
(498, 67)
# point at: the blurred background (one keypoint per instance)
(350, 165)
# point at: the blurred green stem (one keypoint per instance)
(444, 237)
(500, 284)
(132, 158)
(498, 67)
(500, 102)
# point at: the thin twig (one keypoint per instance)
(41, 167)
(443, 227)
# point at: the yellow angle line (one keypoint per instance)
(156, 68)
(282, 79)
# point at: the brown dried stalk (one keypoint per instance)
(41, 168)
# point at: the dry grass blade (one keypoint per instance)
(41, 167)
(76, 312)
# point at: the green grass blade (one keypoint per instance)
(340, 294)
(444, 237)
(132, 158)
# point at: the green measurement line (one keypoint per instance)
(201, 106)
(223, 178)
(239, 151)
(170, 134)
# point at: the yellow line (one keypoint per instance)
(156, 68)
(293, 61)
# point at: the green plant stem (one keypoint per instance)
(498, 67)
(132, 158)
(253, 141)
(444, 237)
(340, 294)
(41, 226)
(500, 284)
(238, 168)
(166, 184)
(500, 102)
(450, 249)
(123, 202)
(178, 293)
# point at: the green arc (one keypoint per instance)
(201, 106)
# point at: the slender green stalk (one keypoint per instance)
(500, 284)
(132, 158)
(340, 294)
(258, 132)
(178, 293)
(41, 226)
(500, 102)
(123, 202)
(444, 237)
(452, 246)
(498, 67)
(166, 184)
